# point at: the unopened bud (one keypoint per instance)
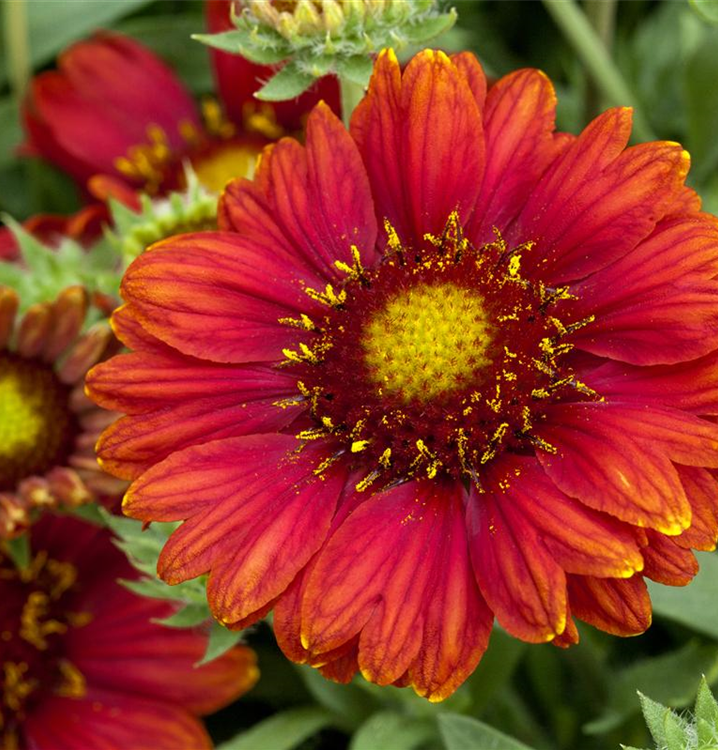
(307, 18)
(264, 11)
(334, 17)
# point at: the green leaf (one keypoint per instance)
(357, 69)
(90, 513)
(388, 729)
(282, 731)
(706, 705)
(706, 9)
(676, 731)
(289, 83)
(684, 665)
(239, 42)
(495, 668)
(655, 715)
(695, 606)
(221, 639)
(701, 97)
(349, 702)
(187, 617)
(19, 550)
(465, 733)
(54, 24)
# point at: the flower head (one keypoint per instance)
(66, 621)
(48, 427)
(448, 366)
(116, 113)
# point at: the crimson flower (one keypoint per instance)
(115, 115)
(48, 427)
(448, 366)
(85, 666)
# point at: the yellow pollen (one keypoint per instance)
(428, 341)
(223, 163)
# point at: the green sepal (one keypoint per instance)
(272, 49)
(220, 640)
(706, 704)
(47, 271)
(142, 547)
(289, 83)
(193, 209)
(429, 28)
(19, 550)
(188, 617)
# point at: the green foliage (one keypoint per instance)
(465, 733)
(142, 546)
(282, 731)
(19, 550)
(706, 9)
(672, 731)
(191, 210)
(696, 607)
(46, 271)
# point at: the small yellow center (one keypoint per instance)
(21, 417)
(428, 341)
(223, 163)
(34, 419)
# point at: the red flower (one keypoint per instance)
(450, 365)
(48, 427)
(84, 226)
(114, 110)
(85, 666)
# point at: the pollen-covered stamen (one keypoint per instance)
(36, 423)
(435, 361)
(37, 608)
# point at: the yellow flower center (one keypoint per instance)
(222, 163)
(428, 341)
(35, 420)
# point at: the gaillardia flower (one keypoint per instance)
(84, 664)
(116, 116)
(48, 426)
(447, 366)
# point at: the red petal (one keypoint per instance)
(597, 203)
(688, 386)
(217, 296)
(256, 512)
(616, 457)
(397, 571)
(108, 720)
(658, 304)
(310, 205)
(620, 606)
(668, 563)
(520, 144)
(421, 139)
(520, 579)
(701, 490)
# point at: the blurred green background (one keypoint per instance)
(664, 57)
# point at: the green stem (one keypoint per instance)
(17, 45)
(594, 55)
(602, 16)
(351, 94)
